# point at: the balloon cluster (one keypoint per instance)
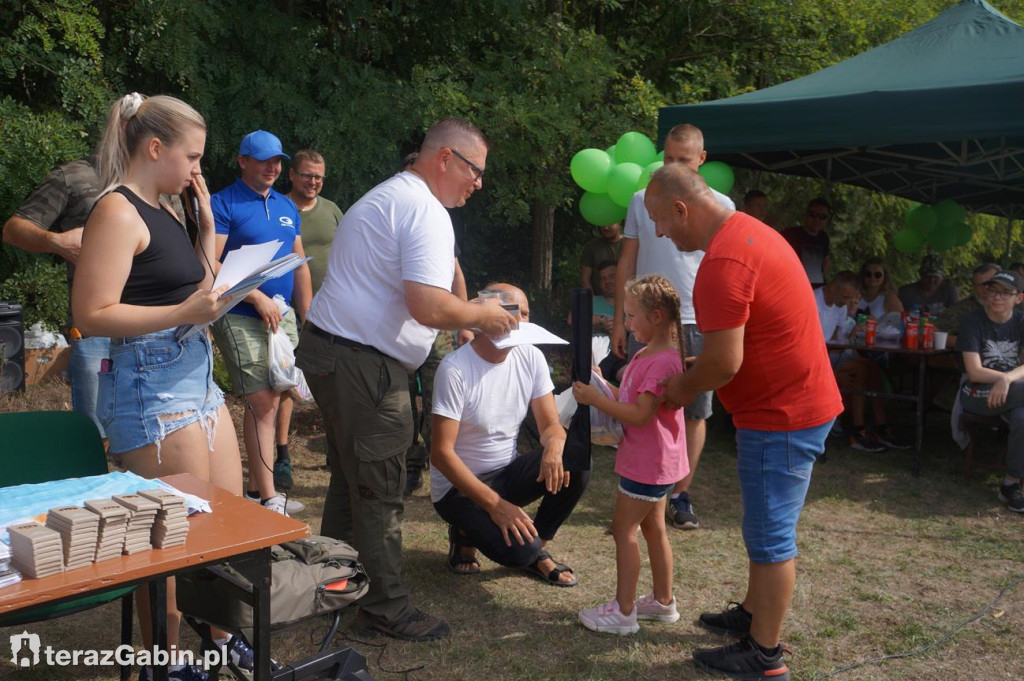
(611, 177)
(940, 227)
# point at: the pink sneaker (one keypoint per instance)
(608, 619)
(648, 608)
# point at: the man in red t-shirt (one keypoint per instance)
(765, 356)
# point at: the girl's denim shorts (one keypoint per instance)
(156, 385)
(642, 490)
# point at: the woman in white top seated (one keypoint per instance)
(877, 296)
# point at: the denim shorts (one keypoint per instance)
(775, 472)
(157, 385)
(643, 491)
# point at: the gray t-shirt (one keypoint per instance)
(998, 345)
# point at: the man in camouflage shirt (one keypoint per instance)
(51, 221)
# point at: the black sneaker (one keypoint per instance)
(680, 513)
(886, 436)
(733, 620)
(862, 440)
(743, 660)
(1012, 496)
(413, 481)
(417, 627)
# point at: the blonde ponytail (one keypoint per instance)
(134, 118)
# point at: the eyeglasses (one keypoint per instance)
(478, 172)
(311, 176)
(876, 274)
(817, 215)
(1001, 294)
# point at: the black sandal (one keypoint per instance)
(455, 558)
(551, 577)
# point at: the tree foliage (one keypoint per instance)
(359, 80)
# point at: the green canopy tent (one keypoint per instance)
(935, 114)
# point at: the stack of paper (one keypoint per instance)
(113, 524)
(37, 551)
(79, 529)
(140, 523)
(171, 525)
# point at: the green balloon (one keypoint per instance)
(718, 175)
(949, 212)
(962, 234)
(913, 205)
(908, 241)
(600, 210)
(660, 156)
(923, 219)
(622, 183)
(635, 147)
(590, 168)
(645, 176)
(942, 238)
(611, 153)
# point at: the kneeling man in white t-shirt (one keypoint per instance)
(477, 482)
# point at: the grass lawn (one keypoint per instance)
(888, 563)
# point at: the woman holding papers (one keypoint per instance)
(140, 279)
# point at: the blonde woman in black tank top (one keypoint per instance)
(140, 278)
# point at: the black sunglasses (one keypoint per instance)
(813, 214)
(478, 172)
(876, 275)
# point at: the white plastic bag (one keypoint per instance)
(566, 405)
(604, 429)
(284, 375)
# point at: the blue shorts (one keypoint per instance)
(157, 385)
(643, 491)
(775, 472)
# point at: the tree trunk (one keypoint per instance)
(543, 245)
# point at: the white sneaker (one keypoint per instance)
(608, 619)
(291, 507)
(275, 504)
(648, 608)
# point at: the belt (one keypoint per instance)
(340, 340)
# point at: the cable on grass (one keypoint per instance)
(917, 651)
(383, 648)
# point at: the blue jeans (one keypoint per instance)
(83, 372)
(775, 471)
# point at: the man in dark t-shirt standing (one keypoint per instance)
(811, 242)
(990, 341)
(51, 220)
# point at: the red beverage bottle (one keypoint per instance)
(929, 337)
(910, 339)
(869, 332)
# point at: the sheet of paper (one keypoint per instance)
(241, 262)
(529, 334)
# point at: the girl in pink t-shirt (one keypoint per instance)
(651, 458)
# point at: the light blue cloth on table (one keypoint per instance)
(24, 502)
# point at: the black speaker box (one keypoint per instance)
(12, 348)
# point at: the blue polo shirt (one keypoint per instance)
(247, 217)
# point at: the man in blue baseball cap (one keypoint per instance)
(251, 212)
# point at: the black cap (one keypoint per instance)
(1007, 278)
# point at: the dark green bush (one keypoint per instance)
(41, 289)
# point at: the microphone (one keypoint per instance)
(193, 203)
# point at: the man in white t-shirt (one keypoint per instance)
(854, 372)
(644, 253)
(477, 483)
(386, 293)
